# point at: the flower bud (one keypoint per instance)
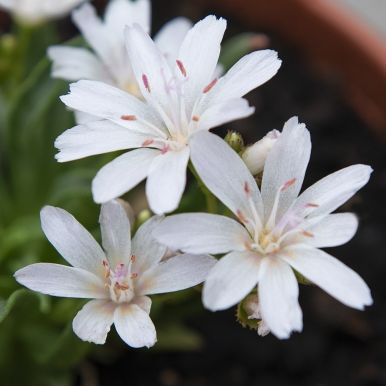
(143, 216)
(235, 141)
(255, 155)
(248, 315)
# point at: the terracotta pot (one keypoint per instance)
(333, 39)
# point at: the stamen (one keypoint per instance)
(146, 83)
(311, 205)
(195, 118)
(129, 117)
(241, 216)
(165, 149)
(288, 184)
(134, 275)
(147, 142)
(272, 217)
(307, 234)
(247, 189)
(209, 86)
(133, 258)
(181, 67)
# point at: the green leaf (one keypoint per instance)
(21, 295)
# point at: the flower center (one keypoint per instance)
(119, 281)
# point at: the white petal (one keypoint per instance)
(287, 160)
(122, 174)
(175, 274)
(107, 102)
(73, 63)
(134, 326)
(97, 35)
(231, 280)
(82, 118)
(278, 296)
(115, 229)
(331, 275)
(224, 173)
(120, 13)
(93, 322)
(144, 302)
(151, 69)
(334, 190)
(249, 72)
(60, 280)
(199, 55)
(97, 137)
(166, 180)
(72, 240)
(224, 112)
(333, 230)
(202, 233)
(170, 37)
(147, 250)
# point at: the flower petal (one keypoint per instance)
(134, 326)
(120, 13)
(147, 250)
(95, 33)
(166, 180)
(332, 191)
(60, 280)
(72, 240)
(225, 111)
(231, 279)
(115, 229)
(96, 137)
(199, 55)
(278, 297)
(175, 274)
(225, 174)
(202, 233)
(249, 72)
(93, 322)
(122, 174)
(287, 160)
(333, 230)
(170, 37)
(143, 302)
(334, 277)
(73, 63)
(151, 70)
(108, 102)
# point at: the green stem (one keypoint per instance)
(211, 201)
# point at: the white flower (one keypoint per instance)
(255, 155)
(181, 100)
(280, 230)
(37, 11)
(118, 278)
(109, 62)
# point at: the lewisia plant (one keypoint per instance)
(118, 277)
(108, 61)
(181, 98)
(277, 232)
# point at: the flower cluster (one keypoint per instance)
(159, 99)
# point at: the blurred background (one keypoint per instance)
(333, 77)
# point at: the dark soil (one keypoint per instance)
(338, 346)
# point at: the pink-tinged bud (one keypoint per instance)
(255, 155)
(249, 315)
